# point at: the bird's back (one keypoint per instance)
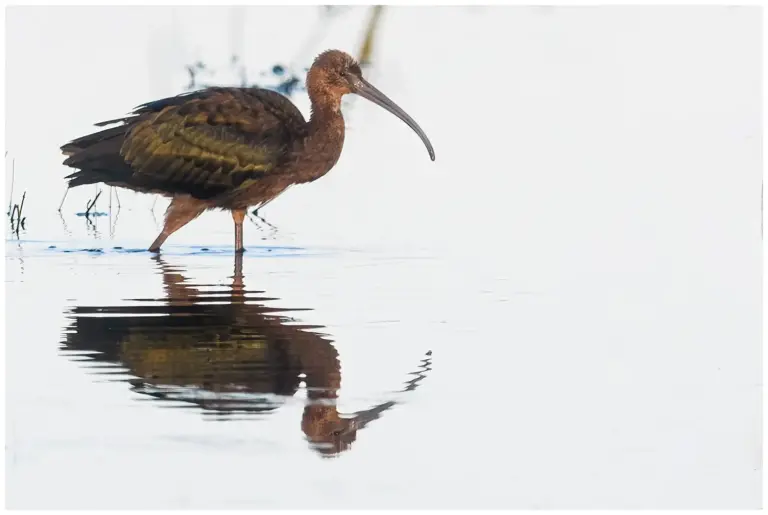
(208, 144)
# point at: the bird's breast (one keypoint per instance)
(317, 156)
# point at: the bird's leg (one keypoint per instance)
(180, 212)
(238, 215)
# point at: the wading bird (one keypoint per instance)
(227, 148)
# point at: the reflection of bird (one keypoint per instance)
(225, 352)
(227, 148)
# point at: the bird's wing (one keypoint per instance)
(212, 141)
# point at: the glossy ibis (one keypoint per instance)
(227, 148)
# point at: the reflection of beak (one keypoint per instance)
(363, 418)
(363, 88)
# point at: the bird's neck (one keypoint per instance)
(325, 139)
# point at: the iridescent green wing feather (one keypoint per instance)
(213, 142)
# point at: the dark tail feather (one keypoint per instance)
(97, 158)
(82, 177)
(85, 142)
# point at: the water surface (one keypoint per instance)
(562, 311)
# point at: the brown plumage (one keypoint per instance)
(226, 148)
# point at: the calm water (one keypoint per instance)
(562, 311)
(221, 348)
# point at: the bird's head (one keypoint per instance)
(335, 73)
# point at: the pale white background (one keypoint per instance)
(583, 259)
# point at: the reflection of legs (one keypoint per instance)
(181, 211)
(237, 279)
(238, 215)
(178, 293)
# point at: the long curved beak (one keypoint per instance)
(367, 91)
